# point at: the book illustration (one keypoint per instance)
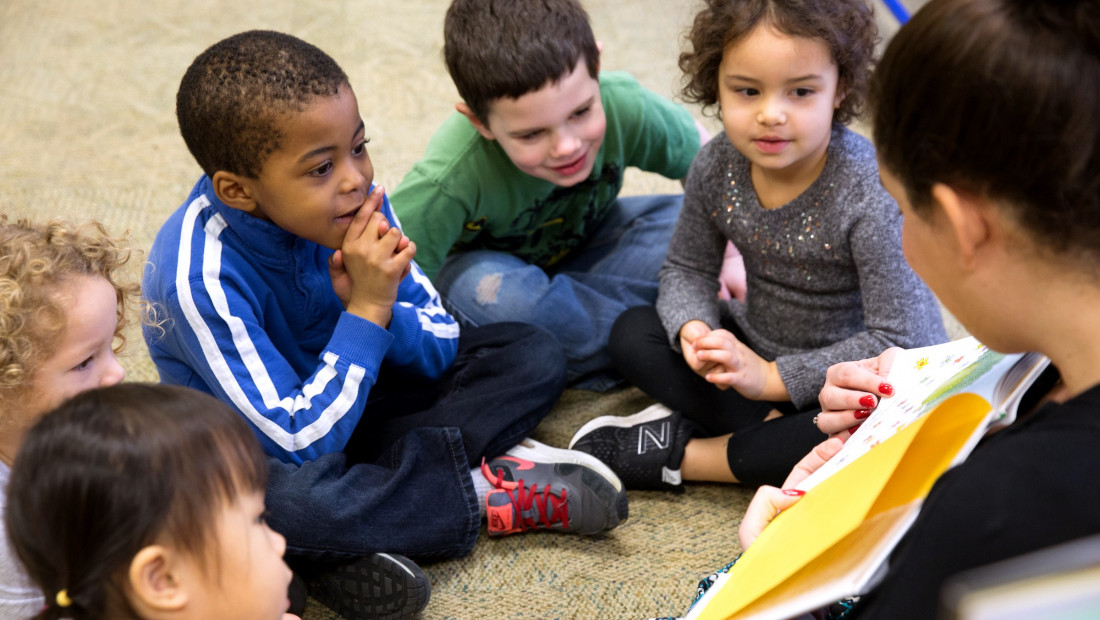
(835, 541)
(920, 385)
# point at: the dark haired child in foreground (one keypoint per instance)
(1002, 220)
(293, 296)
(515, 206)
(798, 193)
(64, 303)
(141, 501)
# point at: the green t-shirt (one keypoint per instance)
(466, 194)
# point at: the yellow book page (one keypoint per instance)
(841, 503)
(833, 574)
(951, 427)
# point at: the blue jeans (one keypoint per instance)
(578, 299)
(402, 483)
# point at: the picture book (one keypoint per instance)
(834, 542)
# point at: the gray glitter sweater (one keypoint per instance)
(827, 281)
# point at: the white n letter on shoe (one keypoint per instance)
(647, 437)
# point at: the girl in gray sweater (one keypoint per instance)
(799, 195)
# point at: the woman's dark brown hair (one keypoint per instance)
(999, 98)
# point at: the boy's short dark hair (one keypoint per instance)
(508, 48)
(232, 96)
(999, 98)
(846, 26)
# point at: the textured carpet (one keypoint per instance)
(88, 131)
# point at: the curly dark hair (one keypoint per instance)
(999, 98)
(508, 48)
(233, 96)
(847, 27)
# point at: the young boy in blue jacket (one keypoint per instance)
(291, 294)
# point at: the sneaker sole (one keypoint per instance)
(384, 589)
(536, 452)
(650, 413)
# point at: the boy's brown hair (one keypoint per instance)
(508, 48)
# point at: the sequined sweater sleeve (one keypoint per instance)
(827, 281)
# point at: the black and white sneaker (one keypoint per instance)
(645, 449)
(380, 586)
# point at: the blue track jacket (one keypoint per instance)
(252, 319)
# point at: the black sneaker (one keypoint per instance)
(544, 488)
(297, 593)
(381, 586)
(644, 449)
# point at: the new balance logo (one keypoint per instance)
(649, 437)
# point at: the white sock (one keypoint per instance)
(481, 488)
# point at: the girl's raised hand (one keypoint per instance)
(852, 390)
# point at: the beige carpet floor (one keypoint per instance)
(88, 131)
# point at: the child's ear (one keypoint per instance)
(481, 128)
(233, 190)
(841, 93)
(156, 583)
(967, 218)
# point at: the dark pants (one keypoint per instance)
(759, 452)
(403, 483)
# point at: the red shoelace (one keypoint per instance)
(524, 497)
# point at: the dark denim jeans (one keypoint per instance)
(577, 299)
(402, 484)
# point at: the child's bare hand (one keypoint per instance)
(341, 281)
(734, 365)
(691, 332)
(375, 257)
(401, 245)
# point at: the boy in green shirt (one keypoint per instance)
(514, 208)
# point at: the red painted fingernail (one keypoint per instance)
(852, 431)
(886, 388)
(867, 401)
(862, 414)
(794, 492)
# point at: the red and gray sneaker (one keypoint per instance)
(544, 488)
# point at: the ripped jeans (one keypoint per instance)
(579, 298)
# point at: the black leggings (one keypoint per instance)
(759, 452)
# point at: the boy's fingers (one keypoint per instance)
(370, 206)
(336, 261)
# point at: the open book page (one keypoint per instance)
(854, 560)
(925, 377)
(832, 543)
